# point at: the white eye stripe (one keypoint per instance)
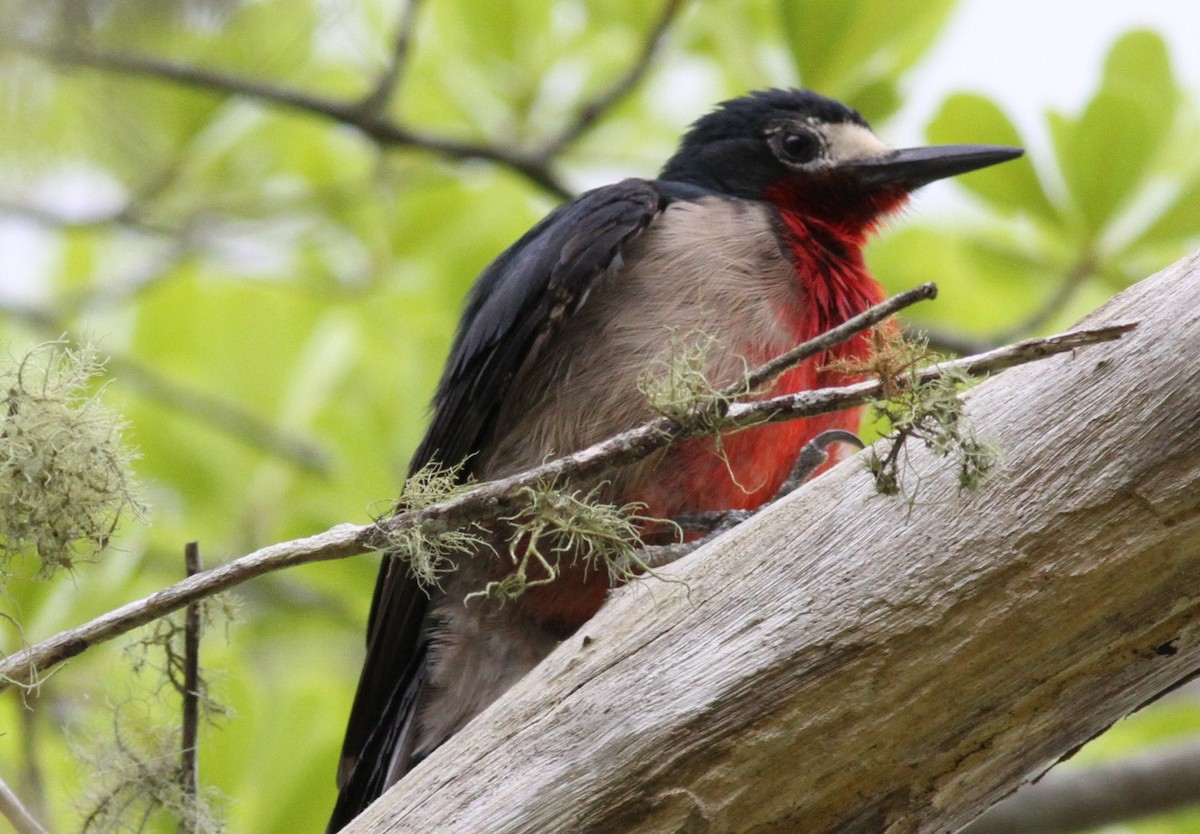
(847, 142)
(839, 143)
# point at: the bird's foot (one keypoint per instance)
(814, 455)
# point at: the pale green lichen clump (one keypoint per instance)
(65, 479)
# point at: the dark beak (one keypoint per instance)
(911, 168)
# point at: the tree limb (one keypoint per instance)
(850, 663)
(389, 78)
(189, 773)
(382, 130)
(1162, 779)
(17, 814)
(223, 414)
(592, 111)
(488, 500)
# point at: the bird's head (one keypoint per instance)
(814, 157)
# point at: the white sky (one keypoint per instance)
(1032, 55)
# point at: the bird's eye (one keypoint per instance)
(799, 146)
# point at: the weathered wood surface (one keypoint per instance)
(848, 663)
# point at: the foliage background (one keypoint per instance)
(276, 288)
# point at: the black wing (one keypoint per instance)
(523, 294)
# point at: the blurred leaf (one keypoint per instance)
(1105, 153)
(878, 98)
(1180, 222)
(988, 283)
(1103, 156)
(1138, 65)
(841, 49)
(1011, 188)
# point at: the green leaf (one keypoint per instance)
(880, 99)
(1106, 154)
(842, 48)
(1010, 188)
(1181, 220)
(1138, 65)
(984, 286)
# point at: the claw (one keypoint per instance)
(814, 455)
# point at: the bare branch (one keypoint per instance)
(1068, 800)
(781, 409)
(25, 667)
(868, 642)
(947, 341)
(835, 336)
(380, 129)
(389, 79)
(12, 810)
(224, 414)
(189, 776)
(54, 220)
(592, 111)
(32, 779)
(496, 498)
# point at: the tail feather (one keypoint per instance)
(381, 732)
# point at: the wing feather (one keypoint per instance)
(518, 301)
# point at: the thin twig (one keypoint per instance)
(32, 779)
(382, 130)
(947, 341)
(389, 79)
(825, 400)
(833, 337)
(593, 110)
(26, 666)
(125, 217)
(503, 497)
(189, 776)
(12, 810)
(224, 414)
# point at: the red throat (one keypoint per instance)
(826, 226)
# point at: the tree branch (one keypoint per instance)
(12, 810)
(27, 666)
(593, 110)
(189, 775)
(228, 416)
(850, 663)
(1151, 782)
(381, 130)
(833, 337)
(504, 496)
(223, 414)
(389, 79)
(1084, 269)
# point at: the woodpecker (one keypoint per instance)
(752, 235)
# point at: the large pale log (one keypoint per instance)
(847, 662)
